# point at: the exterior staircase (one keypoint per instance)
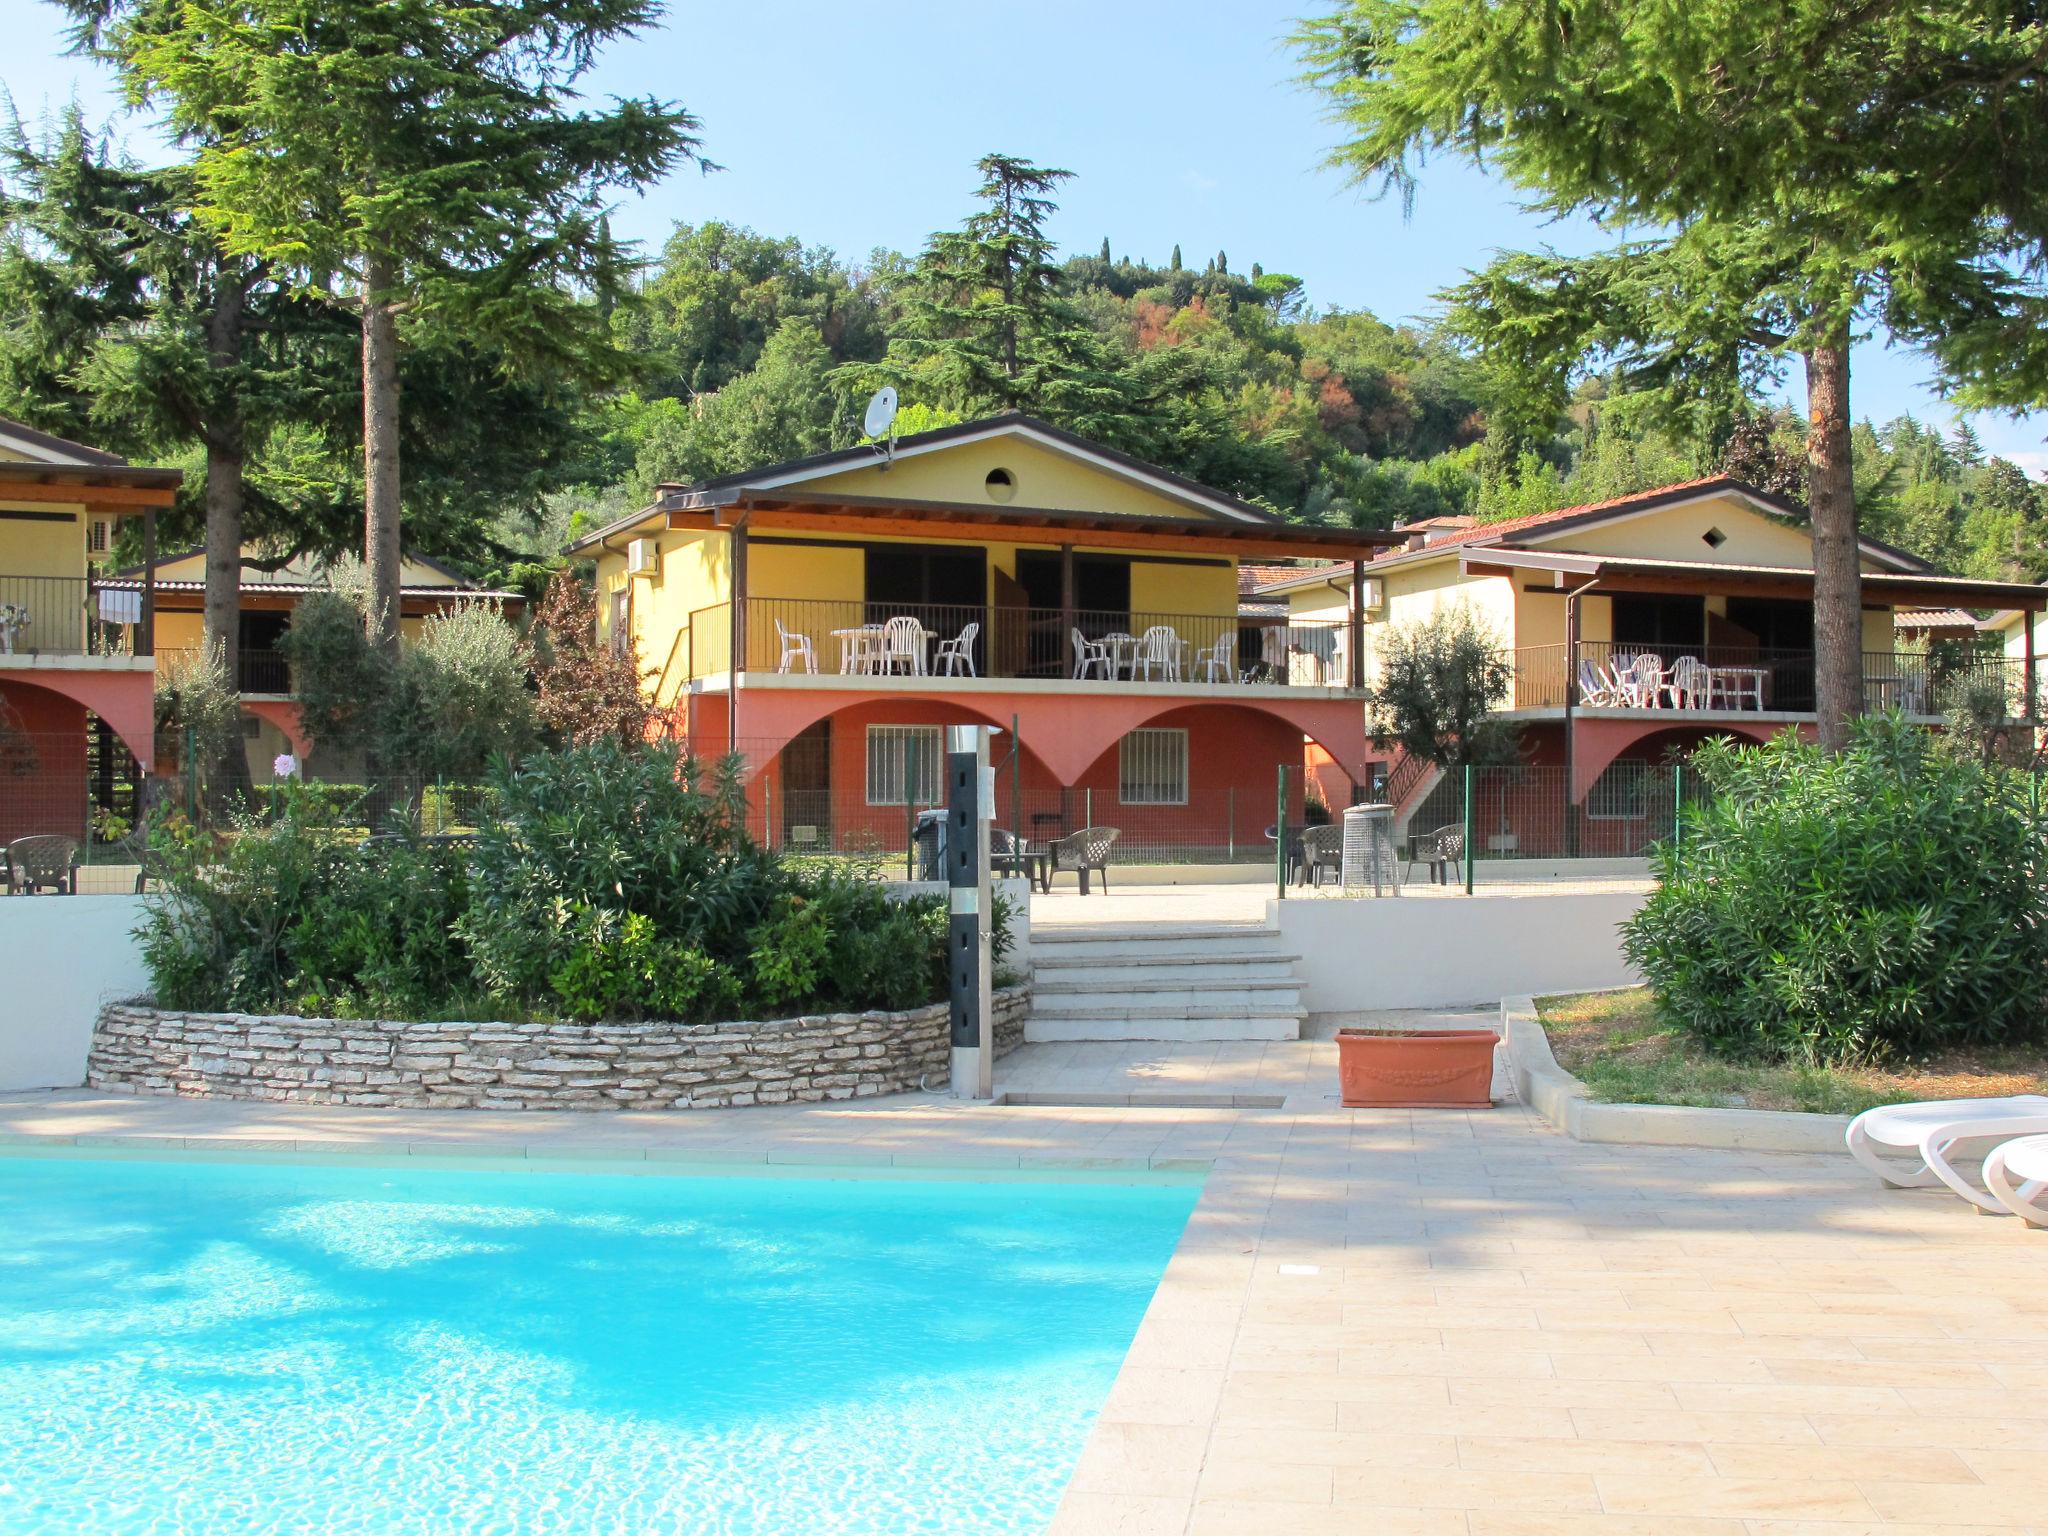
(1158, 981)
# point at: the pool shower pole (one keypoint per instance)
(970, 808)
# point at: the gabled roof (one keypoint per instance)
(1905, 589)
(1008, 424)
(47, 448)
(1514, 532)
(725, 489)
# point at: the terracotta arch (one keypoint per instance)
(1599, 744)
(125, 699)
(283, 714)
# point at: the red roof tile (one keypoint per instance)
(1510, 525)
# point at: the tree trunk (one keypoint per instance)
(226, 454)
(381, 548)
(1837, 569)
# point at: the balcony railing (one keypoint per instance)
(1617, 675)
(255, 671)
(849, 637)
(66, 616)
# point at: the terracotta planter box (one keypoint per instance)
(1416, 1068)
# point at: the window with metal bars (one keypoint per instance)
(904, 764)
(1152, 767)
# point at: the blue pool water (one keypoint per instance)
(236, 1349)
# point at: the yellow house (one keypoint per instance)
(76, 664)
(826, 617)
(270, 721)
(1650, 621)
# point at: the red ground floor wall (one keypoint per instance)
(42, 763)
(1234, 755)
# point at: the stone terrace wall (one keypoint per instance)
(138, 1049)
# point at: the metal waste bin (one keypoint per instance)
(929, 839)
(1369, 850)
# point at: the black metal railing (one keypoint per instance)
(1620, 675)
(255, 671)
(855, 637)
(66, 616)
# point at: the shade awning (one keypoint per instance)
(1898, 589)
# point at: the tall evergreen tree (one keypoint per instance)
(1814, 172)
(419, 164)
(130, 326)
(987, 323)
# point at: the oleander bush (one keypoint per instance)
(606, 881)
(1874, 905)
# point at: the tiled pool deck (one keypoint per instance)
(1383, 1323)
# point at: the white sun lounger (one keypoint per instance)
(2017, 1174)
(1929, 1130)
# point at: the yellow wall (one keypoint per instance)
(1043, 478)
(38, 547)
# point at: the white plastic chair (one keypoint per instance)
(1159, 647)
(1218, 663)
(1645, 680)
(902, 645)
(1928, 1131)
(957, 652)
(1090, 656)
(796, 646)
(2016, 1173)
(1689, 683)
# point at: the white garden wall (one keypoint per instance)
(61, 957)
(1447, 952)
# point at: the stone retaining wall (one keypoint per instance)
(138, 1049)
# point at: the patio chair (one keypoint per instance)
(1689, 684)
(44, 861)
(2016, 1173)
(1441, 850)
(1081, 852)
(1596, 687)
(1217, 663)
(957, 652)
(1643, 680)
(1322, 852)
(1159, 648)
(902, 645)
(1090, 656)
(796, 646)
(1928, 1131)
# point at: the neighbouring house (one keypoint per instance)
(269, 594)
(827, 617)
(1647, 624)
(77, 670)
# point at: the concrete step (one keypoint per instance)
(1063, 1027)
(1254, 997)
(1057, 958)
(1163, 973)
(1096, 943)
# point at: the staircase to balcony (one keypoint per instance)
(1157, 981)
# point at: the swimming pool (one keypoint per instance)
(203, 1347)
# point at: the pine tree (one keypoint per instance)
(1222, 262)
(987, 324)
(424, 165)
(134, 329)
(1174, 263)
(1964, 444)
(1898, 183)
(1105, 251)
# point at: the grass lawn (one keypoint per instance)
(1613, 1043)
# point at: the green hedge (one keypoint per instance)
(610, 881)
(1824, 908)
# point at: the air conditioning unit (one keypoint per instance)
(642, 558)
(1372, 594)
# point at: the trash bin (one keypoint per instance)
(1369, 850)
(929, 838)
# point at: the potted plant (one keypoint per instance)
(1416, 1068)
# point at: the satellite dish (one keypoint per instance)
(881, 412)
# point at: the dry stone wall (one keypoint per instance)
(139, 1049)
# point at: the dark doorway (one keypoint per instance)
(1778, 634)
(1668, 625)
(806, 812)
(943, 587)
(259, 657)
(1102, 602)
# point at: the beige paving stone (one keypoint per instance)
(1240, 1517)
(1112, 1514)
(1980, 1503)
(1495, 1522)
(1430, 1488)
(1251, 1479)
(1825, 1463)
(1146, 1460)
(1759, 1498)
(1503, 1453)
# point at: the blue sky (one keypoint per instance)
(856, 126)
